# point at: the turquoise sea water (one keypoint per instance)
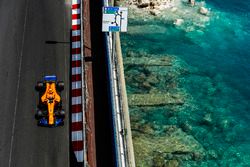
(211, 69)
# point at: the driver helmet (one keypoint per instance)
(50, 91)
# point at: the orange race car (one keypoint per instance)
(50, 112)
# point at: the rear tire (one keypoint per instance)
(39, 86)
(60, 86)
(39, 114)
(61, 124)
(62, 113)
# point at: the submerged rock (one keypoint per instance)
(143, 3)
(167, 150)
(203, 10)
(152, 79)
(212, 154)
(159, 160)
(170, 129)
(207, 119)
(178, 22)
(191, 2)
(172, 163)
(154, 12)
(174, 9)
(197, 156)
(148, 61)
(172, 120)
(146, 85)
(186, 127)
(225, 124)
(155, 99)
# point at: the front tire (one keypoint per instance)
(62, 113)
(60, 86)
(39, 86)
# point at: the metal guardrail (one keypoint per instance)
(119, 146)
(120, 117)
(123, 146)
(117, 117)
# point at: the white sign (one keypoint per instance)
(114, 19)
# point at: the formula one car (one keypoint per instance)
(49, 110)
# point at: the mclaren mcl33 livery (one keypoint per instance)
(49, 109)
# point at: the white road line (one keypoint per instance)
(76, 117)
(76, 44)
(76, 70)
(79, 155)
(76, 57)
(77, 100)
(18, 85)
(76, 33)
(76, 85)
(76, 135)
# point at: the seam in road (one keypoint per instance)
(66, 74)
(18, 84)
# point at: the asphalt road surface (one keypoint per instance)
(25, 57)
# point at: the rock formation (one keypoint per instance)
(191, 2)
(178, 22)
(203, 10)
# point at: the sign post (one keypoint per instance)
(115, 19)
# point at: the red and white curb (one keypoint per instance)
(76, 85)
